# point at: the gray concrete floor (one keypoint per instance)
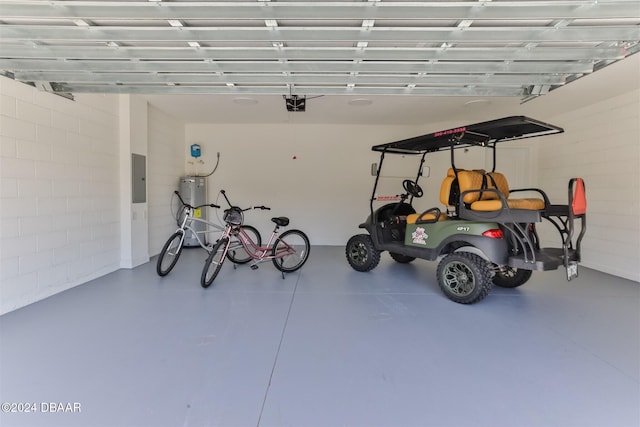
(325, 347)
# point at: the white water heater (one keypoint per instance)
(193, 190)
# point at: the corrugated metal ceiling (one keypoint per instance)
(426, 48)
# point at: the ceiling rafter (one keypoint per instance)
(315, 10)
(321, 34)
(573, 53)
(298, 79)
(301, 66)
(232, 89)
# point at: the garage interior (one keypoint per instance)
(85, 318)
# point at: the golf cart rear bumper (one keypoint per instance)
(543, 260)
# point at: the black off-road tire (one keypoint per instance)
(464, 277)
(361, 254)
(402, 259)
(511, 277)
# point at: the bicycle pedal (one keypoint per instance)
(254, 267)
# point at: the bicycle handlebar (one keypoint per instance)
(211, 205)
(264, 208)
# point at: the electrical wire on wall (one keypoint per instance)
(214, 168)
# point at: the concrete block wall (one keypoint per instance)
(166, 156)
(601, 144)
(59, 175)
(600, 114)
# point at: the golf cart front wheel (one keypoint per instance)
(464, 277)
(361, 254)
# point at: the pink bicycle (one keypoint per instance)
(288, 251)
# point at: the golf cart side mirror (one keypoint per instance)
(374, 169)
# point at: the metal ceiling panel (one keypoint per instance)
(44, 33)
(574, 53)
(318, 10)
(297, 79)
(261, 67)
(429, 48)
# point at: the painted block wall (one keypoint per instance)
(317, 175)
(601, 144)
(59, 197)
(166, 157)
(134, 230)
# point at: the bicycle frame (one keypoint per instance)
(258, 253)
(189, 219)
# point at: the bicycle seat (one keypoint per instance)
(281, 221)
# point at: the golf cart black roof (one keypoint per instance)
(491, 132)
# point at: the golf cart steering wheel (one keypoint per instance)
(412, 188)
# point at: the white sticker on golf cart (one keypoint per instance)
(419, 236)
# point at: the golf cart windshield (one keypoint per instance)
(479, 134)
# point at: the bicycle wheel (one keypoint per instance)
(294, 240)
(213, 263)
(170, 253)
(237, 253)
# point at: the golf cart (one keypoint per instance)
(483, 235)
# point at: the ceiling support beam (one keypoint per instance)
(306, 90)
(114, 52)
(265, 67)
(310, 10)
(49, 33)
(304, 79)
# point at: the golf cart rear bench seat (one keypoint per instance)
(486, 191)
(487, 195)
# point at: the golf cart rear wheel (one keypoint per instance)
(511, 277)
(464, 277)
(402, 259)
(361, 253)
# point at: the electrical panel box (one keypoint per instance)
(138, 178)
(193, 190)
